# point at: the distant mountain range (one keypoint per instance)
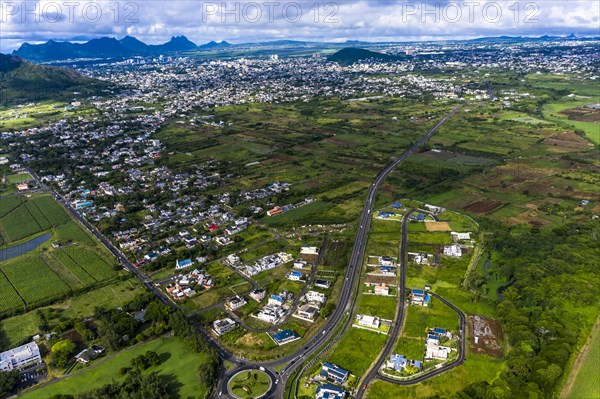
(22, 81)
(107, 47)
(128, 46)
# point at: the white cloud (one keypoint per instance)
(156, 21)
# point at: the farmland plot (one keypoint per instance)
(34, 280)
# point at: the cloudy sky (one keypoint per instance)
(245, 21)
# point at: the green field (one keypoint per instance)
(586, 384)
(20, 224)
(376, 305)
(476, 368)
(47, 273)
(249, 384)
(357, 350)
(19, 178)
(21, 219)
(179, 365)
(7, 204)
(33, 279)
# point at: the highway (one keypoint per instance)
(345, 303)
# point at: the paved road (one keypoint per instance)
(345, 302)
(490, 90)
(462, 355)
(396, 329)
(394, 332)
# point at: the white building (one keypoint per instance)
(368, 321)
(223, 326)
(270, 314)
(314, 296)
(453, 250)
(314, 251)
(235, 303)
(19, 357)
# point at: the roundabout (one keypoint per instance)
(250, 384)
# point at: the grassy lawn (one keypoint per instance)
(421, 318)
(375, 305)
(250, 384)
(18, 178)
(178, 364)
(357, 350)
(476, 368)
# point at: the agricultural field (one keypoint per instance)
(42, 272)
(22, 218)
(33, 279)
(376, 305)
(178, 364)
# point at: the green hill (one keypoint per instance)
(349, 56)
(22, 81)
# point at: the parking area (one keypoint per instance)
(32, 375)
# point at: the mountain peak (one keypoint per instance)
(179, 43)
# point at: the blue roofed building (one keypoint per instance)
(284, 337)
(419, 297)
(328, 391)
(385, 215)
(182, 264)
(399, 363)
(296, 276)
(275, 300)
(397, 205)
(333, 373)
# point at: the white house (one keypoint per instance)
(223, 326)
(314, 296)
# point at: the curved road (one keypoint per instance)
(345, 303)
(397, 328)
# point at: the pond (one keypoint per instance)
(22, 249)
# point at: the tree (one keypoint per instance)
(62, 352)
(8, 381)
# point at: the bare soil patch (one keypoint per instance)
(483, 207)
(567, 140)
(582, 114)
(438, 226)
(486, 336)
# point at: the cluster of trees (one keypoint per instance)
(142, 362)
(8, 381)
(62, 352)
(546, 312)
(135, 386)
